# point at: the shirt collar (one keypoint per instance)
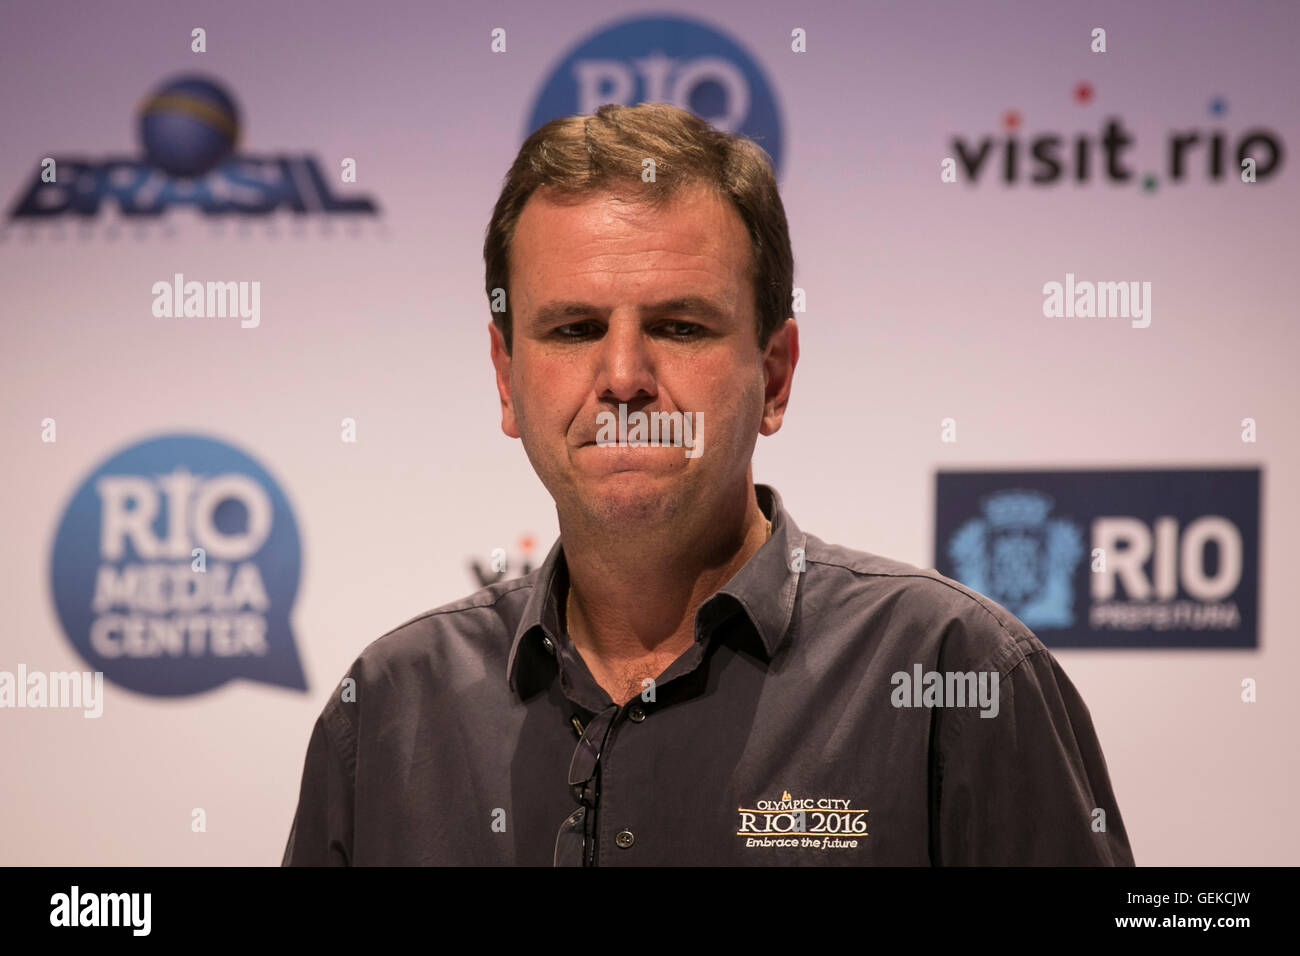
(764, 589)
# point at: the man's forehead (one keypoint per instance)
(714, 260)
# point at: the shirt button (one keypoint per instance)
(635, 714)
(624, 839)
(549, 645)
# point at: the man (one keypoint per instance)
(688, 678)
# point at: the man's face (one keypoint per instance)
(618, 303)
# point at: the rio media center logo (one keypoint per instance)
(1131, 558)
(175, 566)
(189, 128)
(674, 60)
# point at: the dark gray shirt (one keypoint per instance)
(836, 708)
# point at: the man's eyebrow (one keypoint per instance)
(696, 304)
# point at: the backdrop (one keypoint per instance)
(250, 422)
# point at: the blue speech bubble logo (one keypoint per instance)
(674, 60)
(175, 566)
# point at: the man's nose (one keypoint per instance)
(626, 363)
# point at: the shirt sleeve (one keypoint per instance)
(1025, 787)
(321, 833)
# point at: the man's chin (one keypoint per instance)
(631, 496)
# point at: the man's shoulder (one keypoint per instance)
(918, 609)
(425, 662)
(463, 634)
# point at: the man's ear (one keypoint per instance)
(779, 360)
(501, 362)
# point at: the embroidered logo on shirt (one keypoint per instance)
(818, 823)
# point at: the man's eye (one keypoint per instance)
(675, 330)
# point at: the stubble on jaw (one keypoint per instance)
(621, 510)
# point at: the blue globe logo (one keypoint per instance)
(188, 126)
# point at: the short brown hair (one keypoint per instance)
(581, 155)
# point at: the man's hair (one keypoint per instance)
(576, 157)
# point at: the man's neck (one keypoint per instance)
(631, 610)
